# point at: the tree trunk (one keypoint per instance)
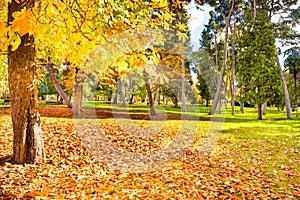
(265, 108)
(131, 99)
(259, 106)
(123, 97)
(115, 98)
(167, 100)
(295, 91)
(219, 87)
(225, 92)
(285, 90)
(78, 87)
(28, 145)
(232, 88)
(57, 86)
(259, 111)
(183, 106)
(207, 102)
(149, 93)
(242, 107)
(158, 99)
(220, 106)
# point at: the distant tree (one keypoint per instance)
(292, 64)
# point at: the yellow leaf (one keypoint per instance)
(3, 29)
(14, 41)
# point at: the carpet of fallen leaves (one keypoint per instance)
(71, 172)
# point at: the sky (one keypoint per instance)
(198, 19)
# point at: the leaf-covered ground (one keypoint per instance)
(252, 160)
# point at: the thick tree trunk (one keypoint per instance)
(285, 91)
(149, 93)
(78, 87)
(28, 145)
(232, 88)
(57, 86)
(183, 106)
(259, 111)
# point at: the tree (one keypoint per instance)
(282, 30)
(292, 64)
(257, 71)
(28, 146)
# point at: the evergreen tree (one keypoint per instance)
(258, 74)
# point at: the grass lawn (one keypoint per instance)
(251, 160)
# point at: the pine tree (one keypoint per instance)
(258, 76)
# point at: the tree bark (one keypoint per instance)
(123, 97)
(233, 71)
(259, 111)
(149, 93)
(295, 91)
(131, 99)
(259, 106)
(58, 87)
(78, 87)
(28, 145)
(183, 106)
(265, 108)
(225, 92)
(285, 90)
(219, 87)
(158, 99)
(242, 107)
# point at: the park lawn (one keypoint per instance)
(252, 159)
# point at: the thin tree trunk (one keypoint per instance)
(149, 93)
(219, 87)
(123, 97)
(225, 92)
(79, 79)
(158, 99)
(220, 106)
(285, 91)
(131, 99)
(259, 106)
(57, 86)
(242, 107)
(295, 91)
(183, 106)
(28, 145)
(265, 108)
(233, 71)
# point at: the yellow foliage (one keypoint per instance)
(3, 29)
